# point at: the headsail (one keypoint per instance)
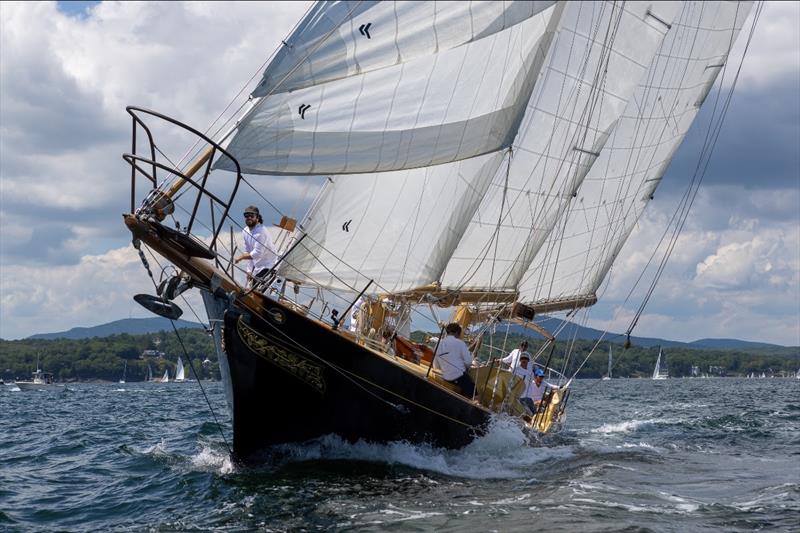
(378, 86)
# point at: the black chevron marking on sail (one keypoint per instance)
(346, 225)
(302, 110)
(364, 29)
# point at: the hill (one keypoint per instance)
(572, 330)
(131, 326)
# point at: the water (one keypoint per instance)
(673, 455)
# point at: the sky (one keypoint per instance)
(67, 71)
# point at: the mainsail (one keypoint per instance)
(586, 241)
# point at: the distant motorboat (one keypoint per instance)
(660, 371)
(40, 380)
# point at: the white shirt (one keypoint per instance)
(524, 373)
(535, 392)
(512, 359)
(354, 314)
(452, 358)
(259, 245)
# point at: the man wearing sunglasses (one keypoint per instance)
(260, 252)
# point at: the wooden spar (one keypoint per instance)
(190, 171)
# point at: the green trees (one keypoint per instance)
(102, 358)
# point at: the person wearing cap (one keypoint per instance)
(534, 392)
(523, 370)
(453, 359)
(512, 359)
(260, 252)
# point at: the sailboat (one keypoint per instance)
(464, 148)
(608, 374)
(124, 371)
(180, 376)
(165, 378)
(660, 371)
(149, 376)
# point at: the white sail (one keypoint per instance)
(586, 82)
(585, 243)
(124, 371)
(180, 373)
(432, 83)
(598, 56)
(165, 379)
(399, 229)
(660, 371)
(610, 364)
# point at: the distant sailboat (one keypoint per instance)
(180, 374)
(124, 371)
(608, 375)
(149, 374)
(660, 371)
(165, 379)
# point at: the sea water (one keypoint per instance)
(671, 455)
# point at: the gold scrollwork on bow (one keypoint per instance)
(288, 361)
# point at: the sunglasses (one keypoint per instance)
(249, 215)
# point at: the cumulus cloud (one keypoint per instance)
(65, 80)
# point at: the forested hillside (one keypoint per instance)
(102, 358)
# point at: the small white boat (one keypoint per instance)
(165, 379)
(180, 373)
(40, 380)
(608, 375)
(660, 371)
(124, 371)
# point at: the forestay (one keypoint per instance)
(365, 87)
(585, 243)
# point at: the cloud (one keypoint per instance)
(65, 79)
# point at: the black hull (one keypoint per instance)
(294, 379)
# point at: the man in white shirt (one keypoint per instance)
(512, 359)
(260, 252)
(453, 359)
(534, 392)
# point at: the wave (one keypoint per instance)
(504, 452)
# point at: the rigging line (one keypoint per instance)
(352, 377)
(202, 389)
(641, 275)
(712, 135)
(257, 103)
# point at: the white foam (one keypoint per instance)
(209, 459)
(624, 427)
(502, 453)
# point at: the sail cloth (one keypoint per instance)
(614, 89)
(583, 246)
(599, 53)
(364, 87)
(398, 228)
